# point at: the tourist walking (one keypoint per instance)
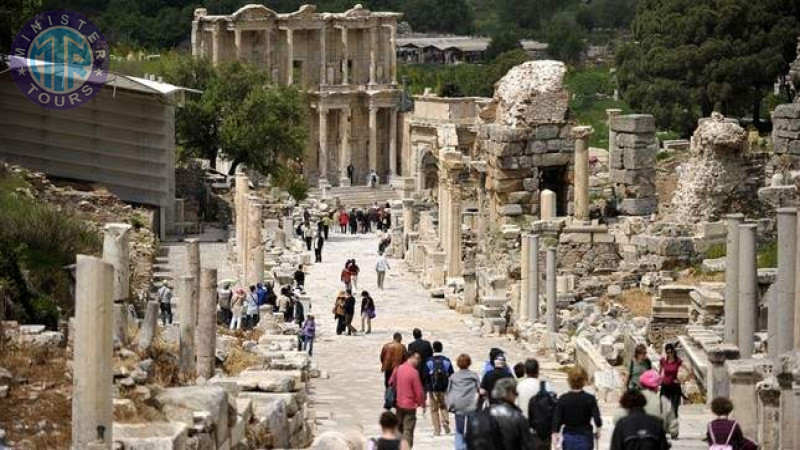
(421, 347)
(307, 334)
(637, 429)
(354, 272)
(502, 424)
(537, 400)
(373, 179)
(488, 366)
(339, 312)
(670, 365)
(251, 305)
(438, 369)
(658, 406)
(347, 275)
(575, 412)
(326, 225)
(350, 173)
(224, 296)
(353, 221)
(491, 377)
(285, 302)
(392, 355)
(308, 235)
(349, 312)
(237, 309)
(724, 431)
(390, 437)
(344, 219)
(367, 312)
(164, 296)
(300, 279)
(410, 395)
(462, 397)
(318, 244)
(381, 266)
(298, 312)
(639, 365)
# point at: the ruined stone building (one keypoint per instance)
(347, 64)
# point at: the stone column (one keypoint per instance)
(393, 54)
(193, 259)
(237, 41)
(147, 331)
(732, 278)
(408, 218)
(529, 304)
(547, 205)
(748, 288)
(116, 251)
(242, 191)
(552, 314)
(289, 57)
(373, 53)
(196, 39)
(187, 308)
(373, 137)
(344, 146)
(437, 274)
(612, 135)
(268, 52)
(323, 146)
(392, 143)
(787, 252)
(93, 351)
(345, 58)
(581, 135)
(323, 66)
(255, 246)
(454, 236)
(207, 324)
(216, 45)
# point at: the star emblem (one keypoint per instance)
(21, 71)
(98, 73)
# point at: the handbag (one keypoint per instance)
(390, 398)
(371, 313)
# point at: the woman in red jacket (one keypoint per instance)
(344, 219)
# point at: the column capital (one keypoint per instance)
(613, 112)
(373, 108)
(582, 132)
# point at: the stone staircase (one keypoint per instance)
(358, 196)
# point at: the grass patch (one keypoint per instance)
(637, 301)
(768, 255)
(716, 251)
(591, 93)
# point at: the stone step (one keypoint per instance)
(483, 311)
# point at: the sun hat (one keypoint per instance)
(650, 379)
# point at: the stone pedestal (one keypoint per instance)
(206, 333)
(529, 304)
(552, 312)
(547, 205)
(748, 289)
(717, 381)
(743, 375)
(437, 265)
(769, 423)
(187, 309)
(116, 251)
(732, 278)
(470, 289)
(581, 135)
(93, 352)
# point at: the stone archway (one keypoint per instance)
(427, 170)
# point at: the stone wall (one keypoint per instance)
(632, 161)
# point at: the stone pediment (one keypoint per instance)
(253, 12)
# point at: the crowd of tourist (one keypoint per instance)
(501, 408)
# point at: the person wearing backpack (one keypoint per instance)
(502, 425)
(164, 296)
(462, 397)
(724, 433)
(637, 430)
(575, 412)
(537, 400)
(438, 369)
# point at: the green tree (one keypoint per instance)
(565, 39)
(14, 14)
(529, 14)
(690, 57)
(502, 40)
(444, 16)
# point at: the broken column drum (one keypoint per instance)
(193, 260)
(116, 251)
(748, 289)
(632, 152)
(581, 135)
(529, 305)
(187, 308)
(732, 278)
(206, 335)
(552, 314)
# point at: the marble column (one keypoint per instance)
(529, 304)
(268, 52)
(547, 205)
(392, 143)
(373, 53)
(237, 42)
(373, 138)
(289, 57)
(116, 251)
(147, 331)
(193, 261)
(187, 308)
(196, 39)
(581, 135)
(345, 58)
(240, 203)
(92, 393)
(255, 246)
(393, 54)
(323, 146)
(408, 216)
(732, 278)
(323, 57)
(206, 334)
(454, 265)
(748, 288)
(216, 45)
(344, 146)
(552, 314)
(787, 252)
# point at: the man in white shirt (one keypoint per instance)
(528, 387)
(381, 266)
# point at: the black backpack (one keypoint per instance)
(483, 432)
(439, 376)
(541, 410)
(642, 440)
